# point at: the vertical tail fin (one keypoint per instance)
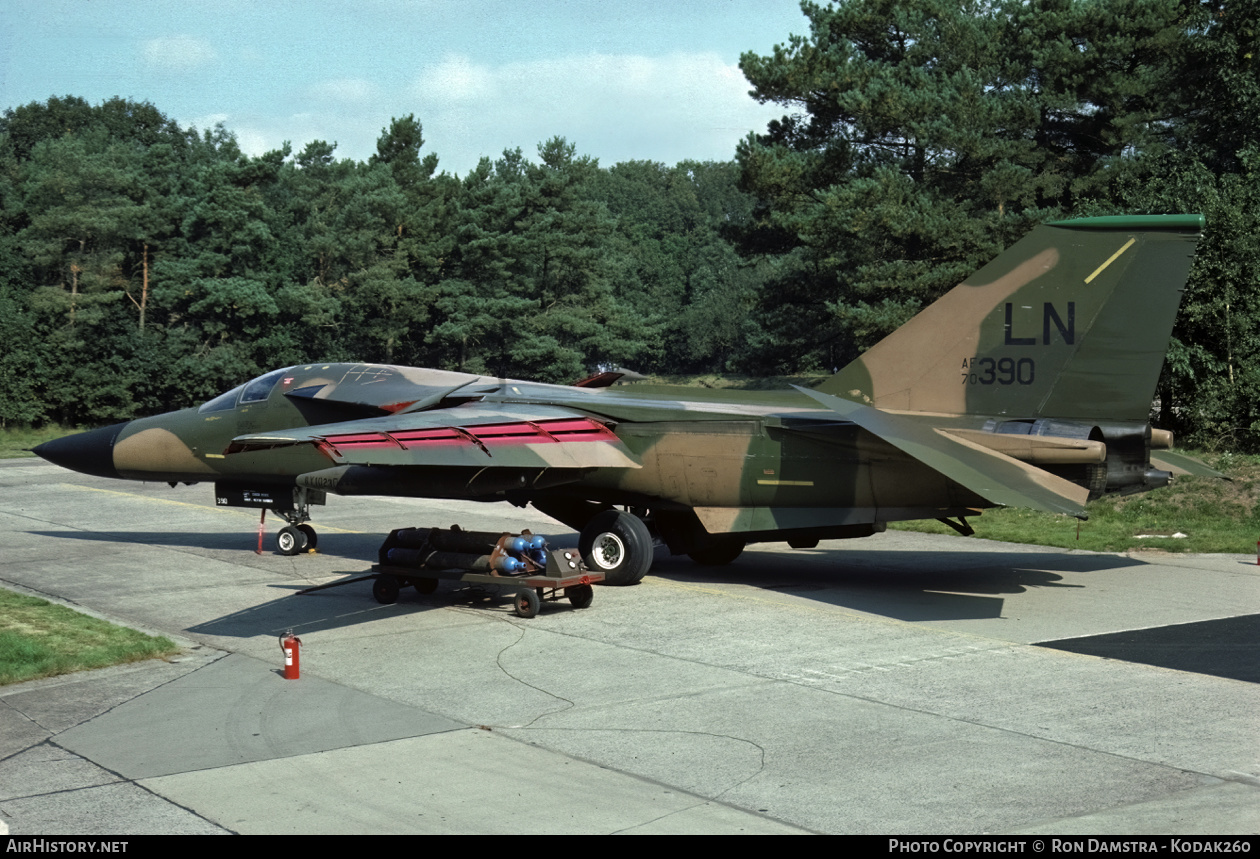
(1070, 322)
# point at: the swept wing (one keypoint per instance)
(474, 435)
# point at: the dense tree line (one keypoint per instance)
(144, 266)
(147, 266)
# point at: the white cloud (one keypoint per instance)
(177, 53)
(344, 91)
(456, 80)
(614, 106)
(257, 134)
(255, 142)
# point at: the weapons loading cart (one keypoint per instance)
(420, 557)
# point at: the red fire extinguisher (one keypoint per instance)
(290, 644)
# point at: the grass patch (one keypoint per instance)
(40, 639)
(16, 441)
(1221, 516)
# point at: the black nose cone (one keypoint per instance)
(89, 452)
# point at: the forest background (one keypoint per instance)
(146, 267)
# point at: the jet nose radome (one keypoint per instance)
(89, 452)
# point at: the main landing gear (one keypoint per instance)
(620, 543)
(617, 544)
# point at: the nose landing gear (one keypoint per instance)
(298, 536)
(296, 539)
(293, 505)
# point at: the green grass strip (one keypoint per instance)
(40, 639)
(1215, 516)
(16, 442)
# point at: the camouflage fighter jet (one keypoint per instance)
(1028, 385)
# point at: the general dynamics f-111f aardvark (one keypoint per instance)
(1028, 385)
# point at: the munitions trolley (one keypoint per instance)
(421, 557)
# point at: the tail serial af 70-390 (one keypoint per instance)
(1028, 385)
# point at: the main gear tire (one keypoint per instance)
(618, 545)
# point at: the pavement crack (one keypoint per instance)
(29, 718)
(568, 704)
(119, 778)
(711, 796)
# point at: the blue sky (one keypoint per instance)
(621, 80)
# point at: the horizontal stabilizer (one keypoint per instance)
(993, 476)
(1180, 464)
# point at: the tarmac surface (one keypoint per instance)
(899, 684)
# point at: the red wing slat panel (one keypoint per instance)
(577, 426)
(552, 431)
(523, 433)
(362, 440)
(439, 435)
(536, 432)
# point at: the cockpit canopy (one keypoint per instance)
(251, 392)
(333, 392)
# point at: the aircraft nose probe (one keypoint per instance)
(89, 452)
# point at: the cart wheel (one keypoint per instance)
(385, 589)
(290, 541)
(527, 602)
(425, 586)
(580, 596)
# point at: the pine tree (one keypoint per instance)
(924, 137)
